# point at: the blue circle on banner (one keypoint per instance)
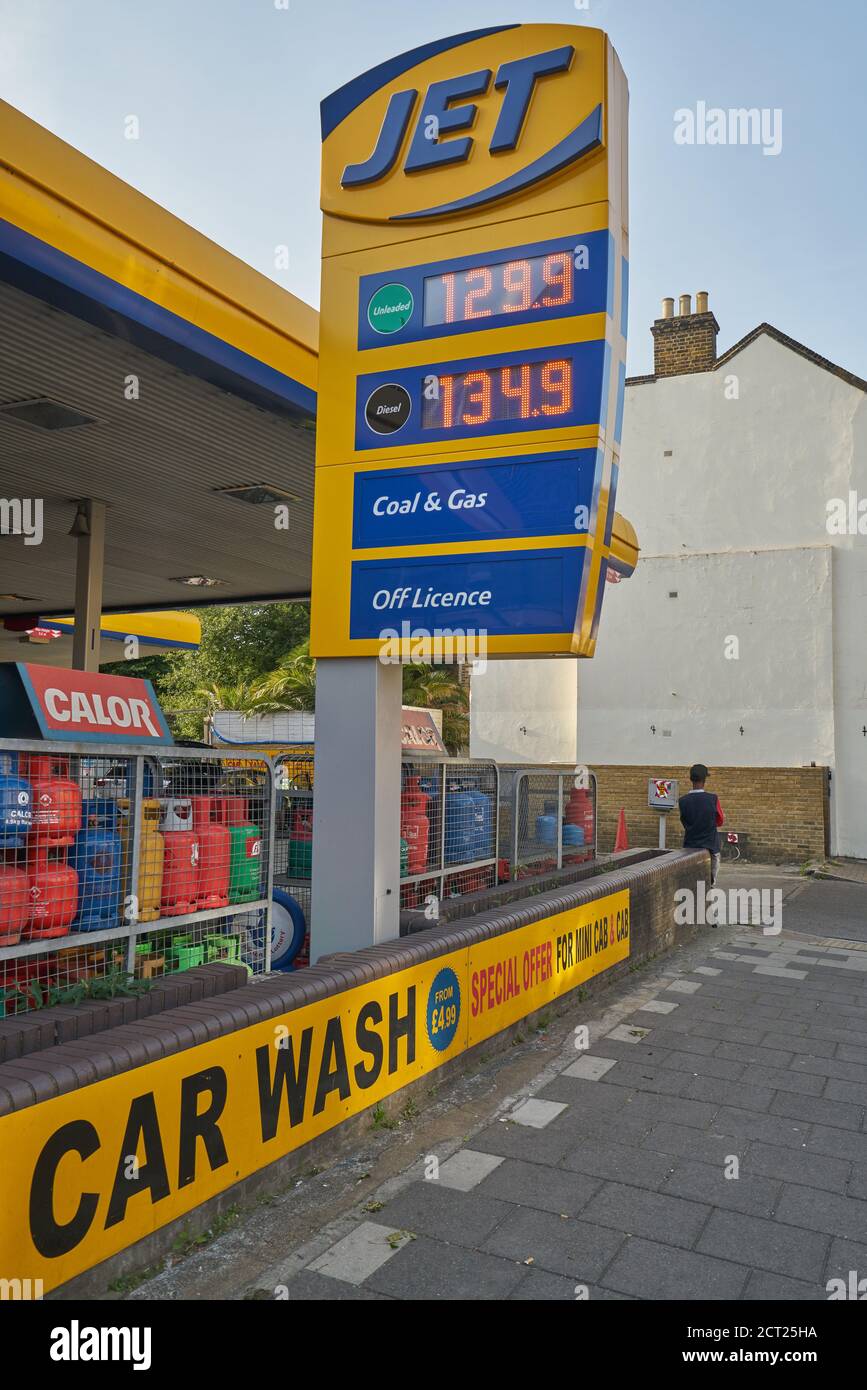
(443, 1009)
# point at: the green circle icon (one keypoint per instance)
(390, 308)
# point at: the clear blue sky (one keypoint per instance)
(227, 94)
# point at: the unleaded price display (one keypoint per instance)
(510, 287)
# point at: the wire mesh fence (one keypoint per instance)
(449, 811)
(115, 864)
(448, 828)
(547, 819)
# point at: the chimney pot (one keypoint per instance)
(685, 301)
(668, 308)
(701, 302)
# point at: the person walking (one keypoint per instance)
(701, 815)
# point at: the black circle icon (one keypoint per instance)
(388, 409)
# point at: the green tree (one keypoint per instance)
(292, 684)
(241, 643)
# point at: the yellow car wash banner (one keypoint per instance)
(91, 1172)
(513, 975)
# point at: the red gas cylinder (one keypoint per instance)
(53, 889)
(55, 797)
(14, 902)
(414, 824)
(579, 811)
(180, 891)
(214, 841)
(232, 810)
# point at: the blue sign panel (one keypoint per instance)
(534, 495)
(498, 593)
(553, 387)
(521, 284)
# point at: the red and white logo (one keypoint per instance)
(84, 704)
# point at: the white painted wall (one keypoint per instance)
(524, 711)
(726, 476)
(661, 663)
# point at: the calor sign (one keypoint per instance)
(54, 703)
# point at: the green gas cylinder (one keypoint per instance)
(245, 850)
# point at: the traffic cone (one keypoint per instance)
(621, 840)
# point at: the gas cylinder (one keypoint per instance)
(15, 809)
(55, 797)
(95, 856)
(579, 811)
(460, 824)
(214, 852)
(415, 825)
(151, 857)
(245, 853)
(53, 889)
(14, 901)
(483, 824)
(300, 862)
(180, 890)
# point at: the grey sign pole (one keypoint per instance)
(356, 805)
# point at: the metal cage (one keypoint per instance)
(449, 827)
(547, 819)
(119, 862)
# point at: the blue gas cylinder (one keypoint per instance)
(572, 834)
(460, 824)
(15, 808)
(483, 824)
(546, 830)
(96, 856)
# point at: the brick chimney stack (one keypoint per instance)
(684, 342)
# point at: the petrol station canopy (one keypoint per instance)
(145, 368)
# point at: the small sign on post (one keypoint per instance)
(662, 796)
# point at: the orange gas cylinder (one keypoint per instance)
(53, 889)
(55, 797)
(14, 901)
(180, 891)
(414, 825)
(214, 852)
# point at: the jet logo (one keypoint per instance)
(446, 110)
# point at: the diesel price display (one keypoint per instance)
(538, 389)
(528, 390)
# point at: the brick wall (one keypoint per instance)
(780, 811)
(686, 343)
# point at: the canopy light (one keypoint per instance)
(46, 414)
(257, 494)
(198, 581)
